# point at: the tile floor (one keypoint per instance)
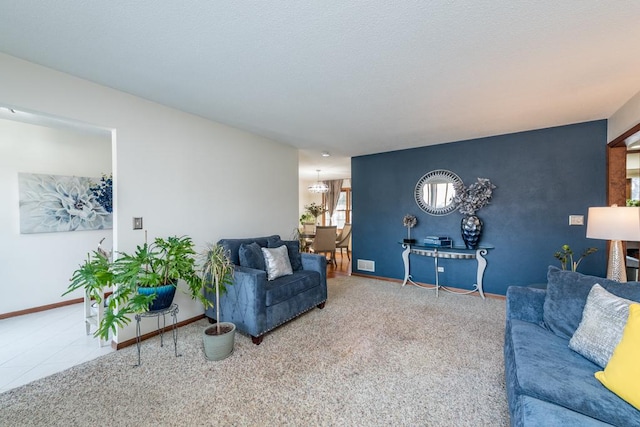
(40, 344)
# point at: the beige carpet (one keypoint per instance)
(377, 355)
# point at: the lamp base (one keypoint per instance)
(616, 269)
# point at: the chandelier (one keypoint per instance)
(318, 187)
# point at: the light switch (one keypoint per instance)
(137, 223)
(576, 219)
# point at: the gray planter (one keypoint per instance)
(218, 347)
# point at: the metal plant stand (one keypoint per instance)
(173, 311)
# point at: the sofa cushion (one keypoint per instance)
(545, 368)
(533, 412)
(232, 246)
(622, 374)
(286, 287)
(600, 329)
(566, 297)
(293, 248)
(250, 255)
(277, 261)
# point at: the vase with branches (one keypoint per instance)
(468, 201)
(316, 210)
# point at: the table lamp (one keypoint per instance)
(616, 224)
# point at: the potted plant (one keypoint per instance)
(306, 218)
(143, 281)
(217, 272)
(315, 210)
(565, 256)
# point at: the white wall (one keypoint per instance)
(624, 119)
(181, 173)
(35, 268)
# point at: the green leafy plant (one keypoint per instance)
(633, 203)
(163, 262)
(160, 263)
(217, 273)
(306, 217)
(565, 255)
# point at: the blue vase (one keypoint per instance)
(471, 228)
(164, 296)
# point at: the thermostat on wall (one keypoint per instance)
(576, 219)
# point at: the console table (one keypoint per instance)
(437, 252)
(173, 311)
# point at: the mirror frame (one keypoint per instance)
(439, 175)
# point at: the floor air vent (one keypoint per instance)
(366, 265)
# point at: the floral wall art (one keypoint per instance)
(51, 203)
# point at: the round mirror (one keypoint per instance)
(434, 192)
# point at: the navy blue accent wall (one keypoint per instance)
(542, 177)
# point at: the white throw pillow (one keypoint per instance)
(277, 260)
(603, 320)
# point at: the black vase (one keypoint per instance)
(471, 227)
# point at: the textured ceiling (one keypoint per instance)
(351, 78)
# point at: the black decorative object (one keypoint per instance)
(471, 227)
(409, 221)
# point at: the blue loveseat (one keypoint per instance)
(548, 384)
(257, 305)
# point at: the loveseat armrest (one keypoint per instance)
(525, 304)
(317, 263)
(244, 303)
(314, 262)
(245, 276)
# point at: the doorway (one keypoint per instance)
(39, 264)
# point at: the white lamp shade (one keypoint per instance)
(614, 223)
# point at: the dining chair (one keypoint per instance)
(325, 241)
(308, 228)
(306, 234)
(344, 240)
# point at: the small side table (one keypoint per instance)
(173, 311)
(454, 252)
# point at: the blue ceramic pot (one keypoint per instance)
(164, 296)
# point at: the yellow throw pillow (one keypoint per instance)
(622, 373)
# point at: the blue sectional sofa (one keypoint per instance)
(257, 305)
(549, 384)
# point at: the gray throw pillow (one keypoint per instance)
(603, 321)
(566, 297)
(277, 260)
(251, 256)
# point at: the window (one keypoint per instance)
(342, 215)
